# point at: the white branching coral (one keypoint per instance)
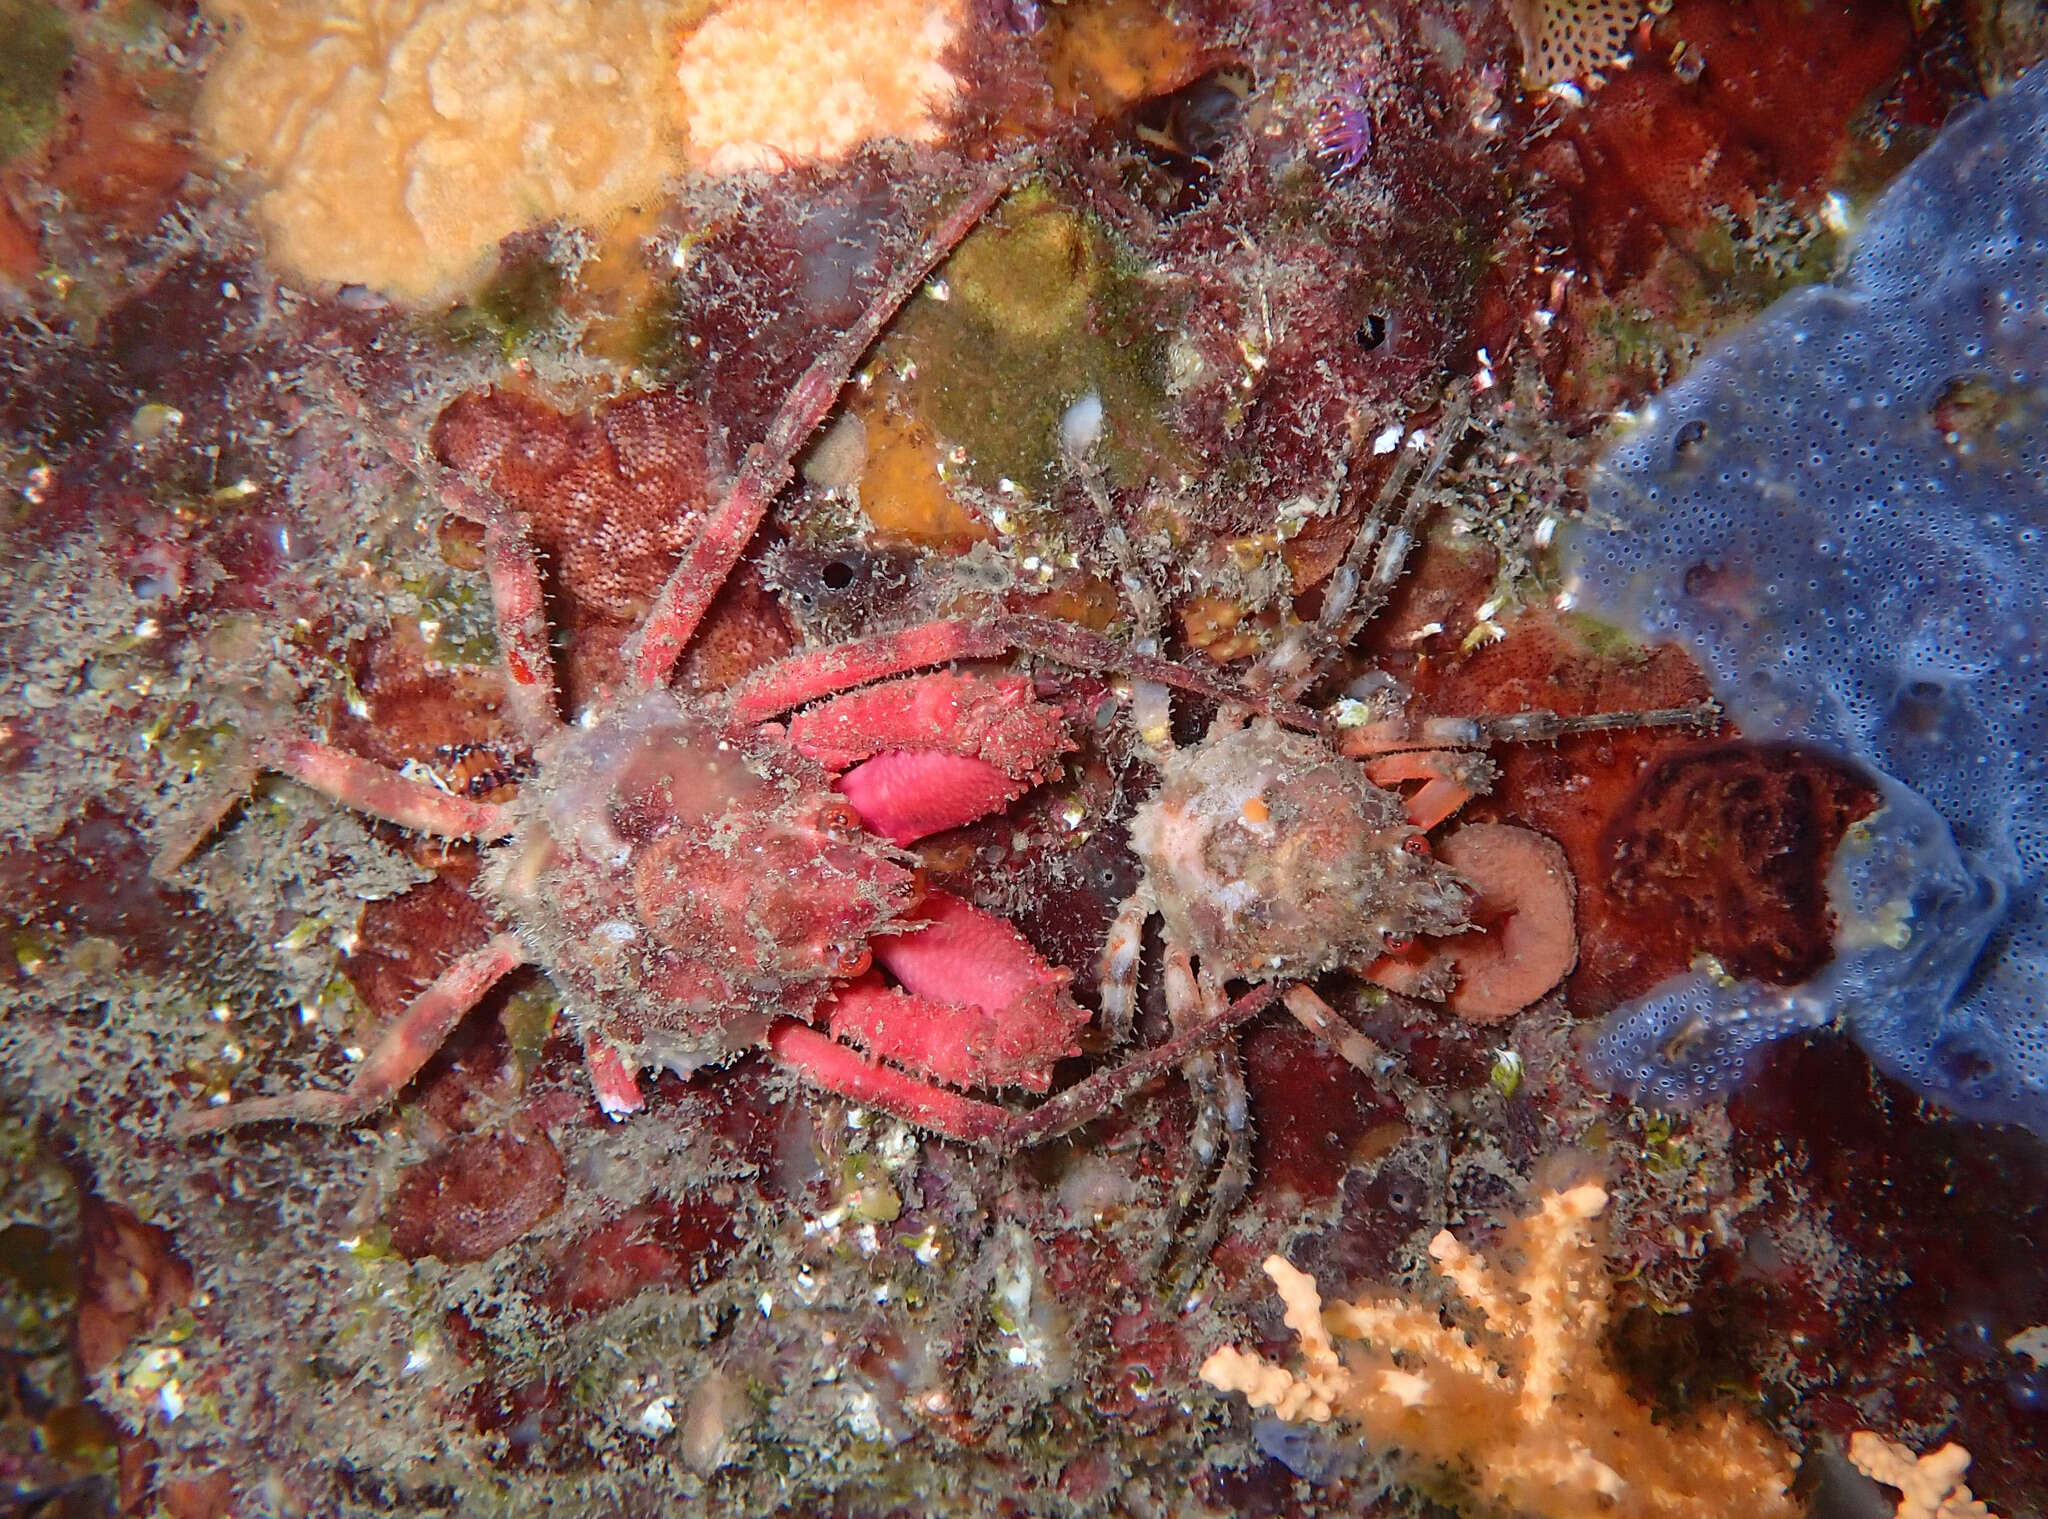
(1930, 1486)
(1524, 1408)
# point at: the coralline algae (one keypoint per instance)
(1843, 513)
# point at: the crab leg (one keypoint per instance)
(1348, 603)
(368, 787)
(824, 1061)
(806, 677)
(1532, 727)
(522, 625)
(407, 1045)
(357, 783)
(1222, 1113)
(688, 592)
(1117, 975)
(508, 560)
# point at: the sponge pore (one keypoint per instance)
(1843, 512)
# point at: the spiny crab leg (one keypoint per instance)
(1532, 727)
(366, 786)
(825, 1062)
(1349, 602)
(797, 681)
(522, 627)
(407, 1045)
(357, 783)
(687, 594)
(516, 604)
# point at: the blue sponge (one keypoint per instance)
(1843, 512)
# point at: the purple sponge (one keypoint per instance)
(1843, 513)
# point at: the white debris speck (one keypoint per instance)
(656, 1419)
(1388, 440)
(1081, 426)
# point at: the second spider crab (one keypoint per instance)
(1273, 856)
(704, 874)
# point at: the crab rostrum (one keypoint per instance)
(702, 874)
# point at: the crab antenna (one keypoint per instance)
(687, 594)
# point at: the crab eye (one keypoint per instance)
(1417, 845)
(840, 820)
(1399, 944)
(848, 960)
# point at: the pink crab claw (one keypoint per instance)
(979, 1007)
(611, 1078)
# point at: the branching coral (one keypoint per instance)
(1525, 1407)
(1930, 1486)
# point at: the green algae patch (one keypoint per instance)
(32, 66)
(514, 307)
(1034, 313)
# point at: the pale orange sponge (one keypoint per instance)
(397, 141)
(771, 83)
(1524, 1403)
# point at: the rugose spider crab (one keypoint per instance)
(1272, 857)
(688, 871)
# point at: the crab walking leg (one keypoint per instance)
(1222, 1112)
(409, 1044)
(357, 783)
(1117, 976)
(805, 678)
(1349, 603)
(839, 1068)
(1359, 1052)
(368, 787)
(522, 625)
(1320, 1019)
(687, 594)
(1536, 726)
(508, 561)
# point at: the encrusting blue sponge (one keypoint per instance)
(1843, 513)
